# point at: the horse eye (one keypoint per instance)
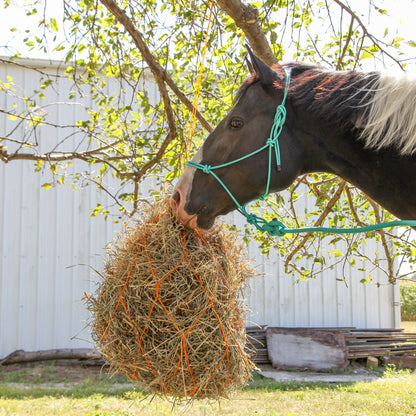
(236, 123)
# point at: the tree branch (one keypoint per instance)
(365, 31)
(157, 70)
(97, 155)
(347, 42)
(319, 221)
(246, 18)
(384, 242)
(352, 207)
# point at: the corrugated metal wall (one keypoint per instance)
(49, 246)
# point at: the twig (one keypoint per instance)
(319, 221)
(376, 208)
(347, 42)
(352, 207)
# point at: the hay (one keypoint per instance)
(168, 313)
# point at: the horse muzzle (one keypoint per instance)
(177, 204)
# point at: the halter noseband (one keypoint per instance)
(273, 227)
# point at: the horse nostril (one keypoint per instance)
(176, 197)
(175, 201)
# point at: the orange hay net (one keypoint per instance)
(169, 313)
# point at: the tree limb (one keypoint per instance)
(96, 155)
(384, 242)
(246, 17)
(319, 221)
(347, 42)
(352, 207)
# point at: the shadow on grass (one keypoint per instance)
(78, 391)
(91, 387)
(261, 383)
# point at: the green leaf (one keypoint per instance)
(54, 25)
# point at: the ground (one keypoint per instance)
(62, 373)
(56, 372)
(65, 389)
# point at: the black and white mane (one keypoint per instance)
(382, 108)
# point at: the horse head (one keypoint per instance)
(198, 197)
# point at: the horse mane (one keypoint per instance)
(379, 109)
(391, 119)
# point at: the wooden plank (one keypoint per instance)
(377, 332)
(306, 348)
(392, 339)
(378, 346)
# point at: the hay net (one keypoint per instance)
(168, 313)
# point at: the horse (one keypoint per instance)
(360, 126)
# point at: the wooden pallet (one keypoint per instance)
(257, 345)
(379, 343)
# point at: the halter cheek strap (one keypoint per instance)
(275, 227)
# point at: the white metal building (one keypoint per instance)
(49, 245)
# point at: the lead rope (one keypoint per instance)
(276, 227)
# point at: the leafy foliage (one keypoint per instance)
(408, 302)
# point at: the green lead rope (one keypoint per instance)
(275, 227)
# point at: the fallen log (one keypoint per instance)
(21, 356)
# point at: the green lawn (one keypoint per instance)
(392, 394)
(409, 326)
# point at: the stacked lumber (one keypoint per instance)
(360, 343)
(257, 345)
(379, 343)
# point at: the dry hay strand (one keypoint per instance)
(169, 314)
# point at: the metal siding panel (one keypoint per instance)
(47, 240)
(29, 256)
(343, 308)
(316, 303)
(2, 266)
(10, 302)
(271, 295)
(2, 221)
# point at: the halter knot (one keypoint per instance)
(271, 141)
(251, 219)
(206, 169)
(275, 227)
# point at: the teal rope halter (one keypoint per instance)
(275, 227)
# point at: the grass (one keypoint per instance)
(409, 326)
(393, 394)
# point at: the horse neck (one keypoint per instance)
(384, 175)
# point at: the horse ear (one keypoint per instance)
(266, 75)
(250, 67)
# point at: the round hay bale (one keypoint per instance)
(168, 313)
